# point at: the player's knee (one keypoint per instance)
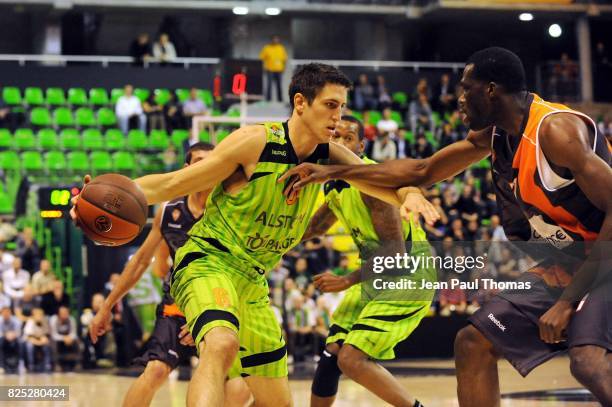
(238, 393)
(350, 360)
(327, 375)
(469, 342)
(156, 372)
(333, 348)
(221, 342)
(585, 363)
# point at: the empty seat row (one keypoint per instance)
(82, 117)
(54, 96)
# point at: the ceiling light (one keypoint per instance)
(526, 17)
(273, 11)
(555, 30)
(241, 11)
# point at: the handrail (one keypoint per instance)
(105, 60)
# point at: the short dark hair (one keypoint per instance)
(309, 79)
(499, 65)
(353, 119)
(199, 146)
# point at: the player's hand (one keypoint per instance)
(308, 173)
(100, 324)
(330, 283)
(554, 321)
(185, 336)
(416, 203)
(73, 201)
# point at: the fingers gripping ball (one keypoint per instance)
(111, 210)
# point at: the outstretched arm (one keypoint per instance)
(445, 163)
(134, 269)
(559, 134)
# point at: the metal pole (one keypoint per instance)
(584, 52)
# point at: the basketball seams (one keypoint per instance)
(144, 208)
(128, 193)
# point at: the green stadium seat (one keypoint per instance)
(182, 94)
(179, 136)
(9, 161)
(24, 139)
(32, 161)
(205, 136)
(78, 162)
(430, 137)
(357, 115)
(55, 161)
(12, 96)
(34, 96)
(101, 162)
(397, 118)
(159, 140)
(116, 93)
(137, 140)
(150, 163)
(142, 94)
(98, 97)
(70, 139)
(6, 138)
(124, 162)
(435, 116)
(114, 139)
(485, 163)
(92, 139)
(375, 117)
(106, 117)
(6, 203)
(409, 136)
(206, 96)
(401, 98)
(162, 96)
(55, 96)
(62, 117)
(221, 134)
(40, 116)
(47, 139)
(77, 96)
(85, 117)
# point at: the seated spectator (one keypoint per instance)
(28, 250)
(466, 205)
(43, 279)
(192, 107)
(446, 135)
(422, 88)
(11, 347)
(420, 114)
(64, 335)
(422, 148)
(457, 231)
(155, 113)
(170, 158)
(140, 49)
(444, 100)
(24, 307)
(452, 300)
(94, 354)
(384, 149)
(302, 276)
(382, 93)
(163, 50)
(6, 259)
(387, 125)
(52, 300)
(10, 118)
(364, 98)
(369, 130)
(129, 109)
(301, 329)
(36, 338)
(173, 114)
(14, 280)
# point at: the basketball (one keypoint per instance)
(111, 210)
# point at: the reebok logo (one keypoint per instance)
(279, 152)
(496, 322)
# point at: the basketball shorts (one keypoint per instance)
(510, 320)
(374, 327)
(216, 290)
(164, 344)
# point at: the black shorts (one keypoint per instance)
(510, 320)
(164, 345)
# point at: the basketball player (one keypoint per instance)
(170, 342)
(361, 331)
(552, 174)
(219, 278)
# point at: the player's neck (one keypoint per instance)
(303, 141)
(197, 202)
(513, 110)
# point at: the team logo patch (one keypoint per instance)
(276, 130)
(176, 214)
(221, 297)
(103, 224)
